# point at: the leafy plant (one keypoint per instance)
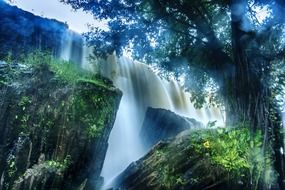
(59, 165)
(235, 150)
(11, 166)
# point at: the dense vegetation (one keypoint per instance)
(55, 120)
(222, 155)
(211, 158)
(220, 45)
(70, 74)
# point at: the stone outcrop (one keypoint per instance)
(160, 124)
(53, 133)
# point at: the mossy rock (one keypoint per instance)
(201, 159)
(45, 118)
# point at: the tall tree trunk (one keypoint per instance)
(248, 95)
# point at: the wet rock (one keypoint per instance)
(160, 124)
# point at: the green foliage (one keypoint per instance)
(23, 116)
(12, 166)
(25, 100)
(169, 179)
(59, 165)
(167, 175)
(75, 110)
(94, 122)
(2, 82)
(9, 57)
(237, 151)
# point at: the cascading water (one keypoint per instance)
(72, 47)
(141, 88)
(66, 46)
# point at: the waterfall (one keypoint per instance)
(72, 47)
(66, 46)
(141, 88)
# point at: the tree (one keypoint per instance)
(233, 44)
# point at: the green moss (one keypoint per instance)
(92, 81)
(92, 108)
(84, 101)
(12, 166)
(25, 100)
(9, 57)
(169, 179)
(56, 107)
(3, 82)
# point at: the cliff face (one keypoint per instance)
(23, 32)
(53, 133)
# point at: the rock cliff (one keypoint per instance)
(53, 133)
(23, 32)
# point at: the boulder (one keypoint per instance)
(160, 124)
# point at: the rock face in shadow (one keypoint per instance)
(54, 134)
(23, 32)
(160, 124)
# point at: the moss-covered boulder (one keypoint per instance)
(54, 130)
(200, 159)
